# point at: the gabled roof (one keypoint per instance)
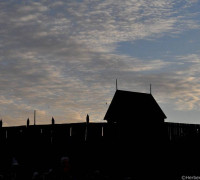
(126, 104)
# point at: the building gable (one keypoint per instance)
(128, 105)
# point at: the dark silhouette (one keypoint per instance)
(87, 119)
(87, 128)
(134, 142)
(52, 121)
(34, 117)
(28, 122)
(126, 105)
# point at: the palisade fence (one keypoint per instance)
(58, 133)
(81, 132)
(95, 145)
(42, 146)
(181, 131)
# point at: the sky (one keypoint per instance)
(61, 58)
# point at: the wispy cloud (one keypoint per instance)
(61, 57)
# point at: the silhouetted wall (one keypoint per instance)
(105, 146)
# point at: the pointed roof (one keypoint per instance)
(126, 104)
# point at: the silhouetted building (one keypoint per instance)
(135, 135)
(136, 115)
(128, 107)
(138, 121)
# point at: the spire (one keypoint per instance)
(34, 117)
(116, 85)
(150, 88)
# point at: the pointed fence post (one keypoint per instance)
(27, 122)
(86, 129)
(52, 121)
(52, 129)
(1, 123)
(87, 119)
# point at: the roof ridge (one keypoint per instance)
(133, 92)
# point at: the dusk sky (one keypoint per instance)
(62, 58)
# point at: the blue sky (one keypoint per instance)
(163, 47)
(61, 58)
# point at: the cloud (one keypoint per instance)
(182, 83)
(61, 58)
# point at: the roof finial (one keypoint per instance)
(34, 117)
(150, 88)
(116, 85)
